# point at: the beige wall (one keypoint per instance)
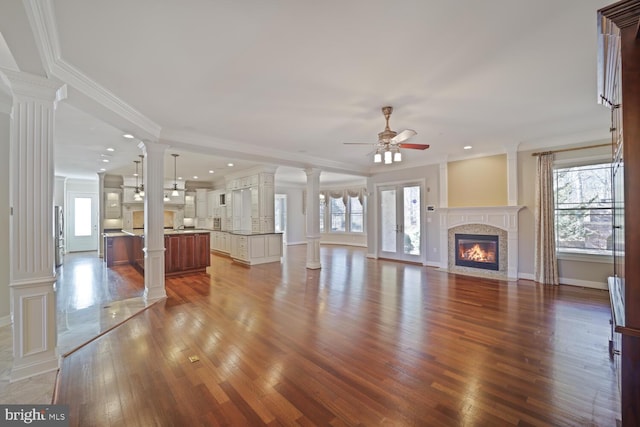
(477, 182)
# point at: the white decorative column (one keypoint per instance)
(444, 185)
(512, 176)
(313, 218)
(154, 220)
(32, 270)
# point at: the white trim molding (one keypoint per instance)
(503, 217)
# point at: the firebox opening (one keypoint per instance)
(477, 251)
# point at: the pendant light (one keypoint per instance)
(136, 192)
(141, 175)
(175, 193)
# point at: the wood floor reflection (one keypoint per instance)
(358, 342)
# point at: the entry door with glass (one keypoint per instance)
(82, 222)
(400, 222)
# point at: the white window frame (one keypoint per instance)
(325, 220)
(581, 255)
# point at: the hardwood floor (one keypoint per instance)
(359, 342)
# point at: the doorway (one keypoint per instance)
(82, 222)
(400, 225)
(281, 216)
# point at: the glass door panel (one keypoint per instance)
(388, 222)
(400, 227)
(83, 222)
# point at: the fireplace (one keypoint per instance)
(477, 251)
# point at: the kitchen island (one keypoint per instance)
(186, 251)
(246, 247)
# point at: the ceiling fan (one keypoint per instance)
(390, 142)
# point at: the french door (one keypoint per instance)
(82, 222)
(400, 224)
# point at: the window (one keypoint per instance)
(323, 203)
(583, 205)
(336, 217)
(82, 217)
(338, 214)
(356, 220)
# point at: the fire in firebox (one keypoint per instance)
(478, 251)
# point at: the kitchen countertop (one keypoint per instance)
(248, 233)
(167, 231)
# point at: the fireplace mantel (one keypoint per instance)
(503, 217)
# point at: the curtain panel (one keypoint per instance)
(546, 262)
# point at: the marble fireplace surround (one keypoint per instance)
(504, 218)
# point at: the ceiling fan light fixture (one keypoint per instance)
(388, 158)
(377, 158)
(397, 156)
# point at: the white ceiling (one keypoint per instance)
(287, 82)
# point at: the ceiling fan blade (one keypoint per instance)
(414, 146)
(403, 136)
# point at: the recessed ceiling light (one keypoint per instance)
(467, 147)
(211, 171)
(195, 177)
(111, 149)
(230, 165)
(128, 136)
(135, 174)
(105, 160)
(179, 177)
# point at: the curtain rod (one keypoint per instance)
(570, 149)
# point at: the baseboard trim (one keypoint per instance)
(570, 282)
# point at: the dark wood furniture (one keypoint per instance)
(117, 249)
(619, 89)
(185, 252)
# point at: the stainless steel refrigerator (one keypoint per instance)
(59, 234)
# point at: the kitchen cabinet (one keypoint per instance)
(137, 250)
(112, 203)
(186, 252)
(220, 242)
(254, 249)
(211, 203)
(118, 249)
(201, 203)
(252, 203)
(619, 80)
(190, 205)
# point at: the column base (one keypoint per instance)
(33, 305)
(154, 287)
(313, 253)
